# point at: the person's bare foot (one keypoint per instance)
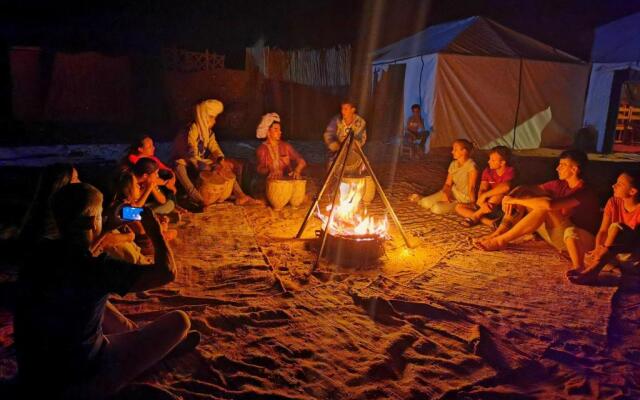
(414, 198)
(248, 201)
(170, 234)
(489, 244)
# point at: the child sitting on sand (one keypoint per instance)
(144, 147)
(494, 184)
(619, 231)
(460, 185)
(128, 192)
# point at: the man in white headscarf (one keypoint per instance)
(197, 150)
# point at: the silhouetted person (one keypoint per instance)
(66, 345)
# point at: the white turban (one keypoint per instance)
(265, 123)
(204, 110)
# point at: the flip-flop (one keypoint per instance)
(583, 279)
(468, 223)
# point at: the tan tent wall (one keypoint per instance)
(476, 98)
(560, 86)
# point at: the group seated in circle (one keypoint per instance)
(565, 212)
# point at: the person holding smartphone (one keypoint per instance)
(62, 340)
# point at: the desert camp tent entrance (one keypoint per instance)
(616, 59)
(478, 79)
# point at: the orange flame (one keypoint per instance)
(349, 219)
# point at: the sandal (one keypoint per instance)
(468, 222)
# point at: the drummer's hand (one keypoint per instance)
(275, 175)
(228, 165)
(295, 174)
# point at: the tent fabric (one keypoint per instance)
(598, 98)
(615, 47)
(482, 78)
(470, 36)
(89, 87)
(617, 41)
(467, 104)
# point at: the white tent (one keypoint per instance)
(477, 79)
(615, 48)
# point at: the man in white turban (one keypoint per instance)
(197, 150)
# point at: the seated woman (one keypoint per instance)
(275, 156)
(460, 185)
(144, 147)
(494, 184)
(197, 150)
(619, 231)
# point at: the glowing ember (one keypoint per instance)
(349, 218)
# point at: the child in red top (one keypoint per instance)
(494, 184)
(619, 230)
(144, 147)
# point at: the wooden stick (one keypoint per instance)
(322, 189)
(385, 201)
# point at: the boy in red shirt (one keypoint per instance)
(619, 230)
(494, 184)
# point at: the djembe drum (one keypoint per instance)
(215, 187)
(279, 192)
(299, 192)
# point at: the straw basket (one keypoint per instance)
(215, 187)
(298, 193)
(279, 192)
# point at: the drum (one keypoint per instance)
(214, 187)
(298, 193)
(279, 192)
(369, 187)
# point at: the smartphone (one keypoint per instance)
(129, 213)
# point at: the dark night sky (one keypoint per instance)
(228, 26)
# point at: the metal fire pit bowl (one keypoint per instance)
(353, 251)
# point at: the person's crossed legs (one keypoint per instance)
(126, 355)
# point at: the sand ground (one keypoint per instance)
(439, 321)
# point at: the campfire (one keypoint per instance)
(350, 218)
(354, 238)
(349, 235)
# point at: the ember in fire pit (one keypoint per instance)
(353, 251)
(354, 238)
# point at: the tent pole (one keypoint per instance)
(385, 201)
(515, 122)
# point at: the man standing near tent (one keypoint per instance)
(339, 129)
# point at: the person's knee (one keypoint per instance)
(180, 321)
(440, 208)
